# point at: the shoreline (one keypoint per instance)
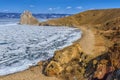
(87, 43)
(33, 70)
(33, 73)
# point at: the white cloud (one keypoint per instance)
(68, 7)
(79, 7)
(31, 6)
(51, 9)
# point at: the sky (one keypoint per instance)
(56, 6)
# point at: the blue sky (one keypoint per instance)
(56, 6)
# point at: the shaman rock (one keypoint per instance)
(28, 19)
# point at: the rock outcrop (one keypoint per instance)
(28, 19)
(66, 60)
(101, 67)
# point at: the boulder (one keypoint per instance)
(101, 71)
(62, 58)
(28, 19)
(67, 54)
(53, 68)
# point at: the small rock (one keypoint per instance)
(53, 68)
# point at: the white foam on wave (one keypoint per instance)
(23, 46)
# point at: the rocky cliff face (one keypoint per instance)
(27, 18)
(68, 61)
(102, 67)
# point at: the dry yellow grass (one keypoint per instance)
(91, 17)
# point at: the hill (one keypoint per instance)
(104, 61)
(91, 17)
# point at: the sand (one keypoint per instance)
(33, 73)
(87, 41)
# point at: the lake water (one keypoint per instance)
(22, 46)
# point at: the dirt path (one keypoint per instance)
(91, 42)
(87, 41)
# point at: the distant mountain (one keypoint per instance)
(43, 16)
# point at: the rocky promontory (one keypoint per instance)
(28, 19)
